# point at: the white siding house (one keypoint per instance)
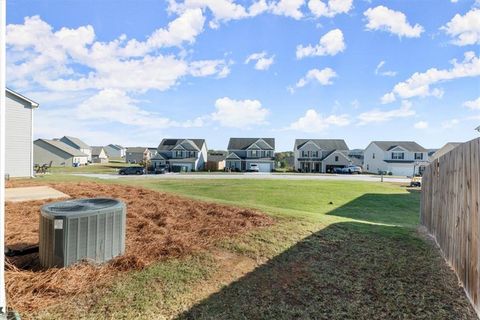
(401, 158)
(115, 151)
(18, 135)
(79, 145)
(320, 155)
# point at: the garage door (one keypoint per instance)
(264, 167)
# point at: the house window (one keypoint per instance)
(336, 158)
(373, 155)
(315, 154)
(304, 154)
(253, 153)
(418, 156)
(178, 154)
(398, 155)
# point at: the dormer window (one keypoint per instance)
(418, 156)
(398, 155)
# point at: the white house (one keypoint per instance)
(320, 155)
(99, 155)
(401, 158)
(115, 151)
(79, 145)
(18, 134)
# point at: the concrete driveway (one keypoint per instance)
(234, 176)
(33, 193)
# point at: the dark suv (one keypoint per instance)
(131, 170)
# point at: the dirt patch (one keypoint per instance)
(159, 226)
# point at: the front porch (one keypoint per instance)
(310, 166)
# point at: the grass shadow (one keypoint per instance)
(348, 270)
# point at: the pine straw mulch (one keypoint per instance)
(159, 226)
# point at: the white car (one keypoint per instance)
(352, 169)
(253, 167)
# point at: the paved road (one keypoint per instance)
(233, 176)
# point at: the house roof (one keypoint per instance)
(64, 147)
(407, 145)
(324, 144)
(158, 156)
(116, 146)
(18, 95)
(187, 144)
(445, 149)
(244, 143)
(217, 155)
(96, 150)
(79, 143)
(136, 149)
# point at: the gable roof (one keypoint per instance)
(244, 143)
(18, 95)
(445, 149)
(407, 145)
(324, 144)
(187, 144)
(76, 141)
(137, 149)
(97, 150)
(64, 147)
(115, 146)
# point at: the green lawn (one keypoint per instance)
(339, 250)
(110, 167)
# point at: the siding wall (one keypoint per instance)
(18, 137)
(450, 210)
(43, 153)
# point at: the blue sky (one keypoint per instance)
(134, 72)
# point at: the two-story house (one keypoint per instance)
(320, 155)
(137, 154)
(79, 145)
(401, 158)
(181, 154)
(243, 152)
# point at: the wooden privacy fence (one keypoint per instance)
(450, 211)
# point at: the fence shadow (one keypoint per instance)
(348, 270)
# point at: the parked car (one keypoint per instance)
(337, 170)
(160, 170)
(253, 167)
(352, 169)
(131, 170)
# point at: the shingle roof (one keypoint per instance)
(64, 147)
(244, 143)
(136, 149)
(445, 149)
(217, 155)
(407, 145)
(116, 146)
(187, 144)
(79, 143)
(324, 144)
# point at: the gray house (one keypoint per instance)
(243, 152)
(99, 155)
(58, 153)
(320, 155)
(137, 154)
(443, 150)
(79, 145)
(181, 154)
(18, 134)
(115, 151)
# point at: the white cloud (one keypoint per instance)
(329, 9)
(113, 105)
(377, 115)
(419, 84)
(313, 121)
(385, 19)
(384, 73)
(330, 44)
(421, 125)
(473, 104)
(40, 56)
(464, 29)
(288, 8)
(239, 113)
(323, 77)
(449, 124)
(262, 60)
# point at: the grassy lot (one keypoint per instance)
(339, 250)
(110, 167)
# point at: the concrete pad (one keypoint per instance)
(33, 193)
